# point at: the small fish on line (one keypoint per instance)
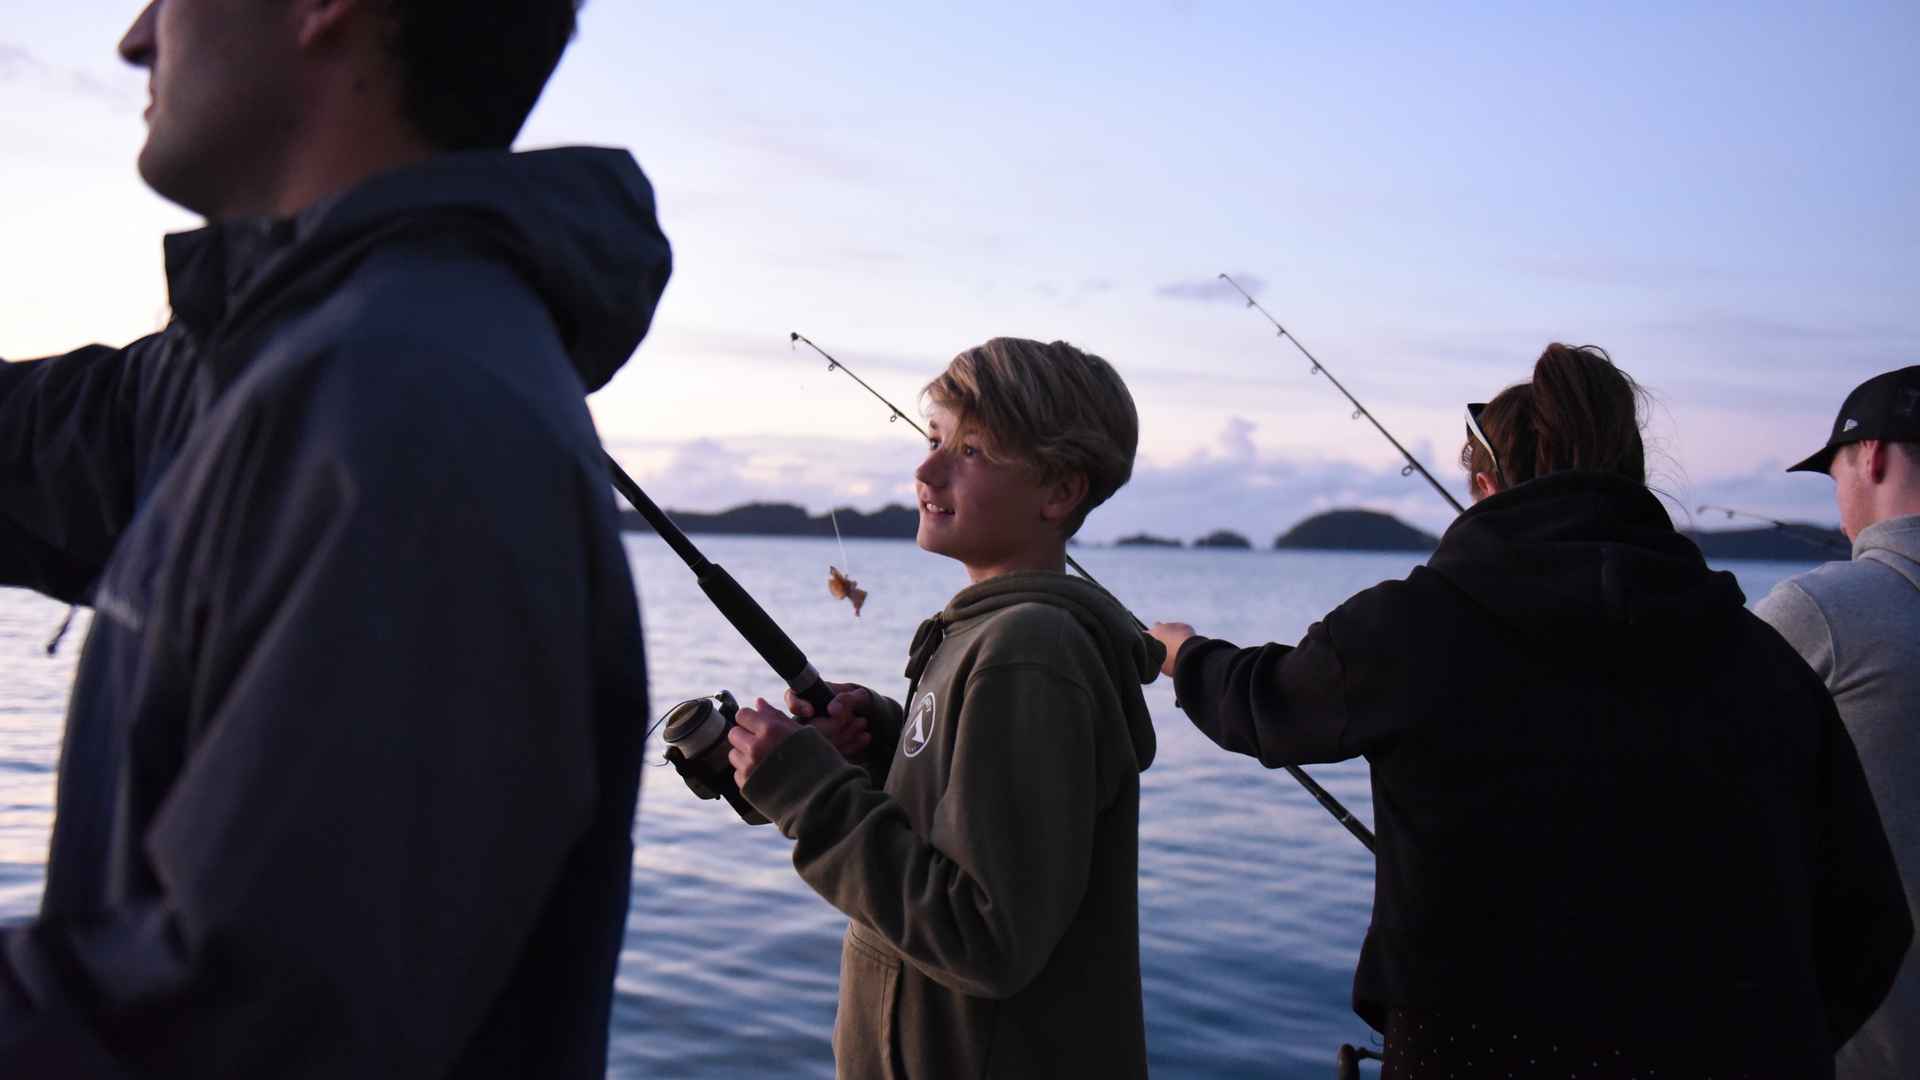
(845, 588)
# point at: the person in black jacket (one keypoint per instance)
(349, 770)
(1621, 830)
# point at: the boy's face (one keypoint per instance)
(993, 518)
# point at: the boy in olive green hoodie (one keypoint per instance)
(988, 858)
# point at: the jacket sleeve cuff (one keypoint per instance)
(1190, 669)
(884, 726)
(787, 780)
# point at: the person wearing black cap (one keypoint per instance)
(1858, 624)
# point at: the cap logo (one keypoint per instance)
(1849, 425)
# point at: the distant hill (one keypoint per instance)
(1223, 538)
(1337, 530)
(1356, 530)
(1802, 543)
(1146, 540)
(891, 522)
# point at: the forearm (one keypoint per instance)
(857, 848)
(66, 468)
(1279, 704)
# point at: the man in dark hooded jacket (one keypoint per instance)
(350, 764)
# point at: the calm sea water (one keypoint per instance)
(1253, 901)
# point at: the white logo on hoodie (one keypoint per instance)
(919, 726)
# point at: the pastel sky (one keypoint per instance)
(1726, 197)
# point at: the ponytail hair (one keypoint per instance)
(1579, 412)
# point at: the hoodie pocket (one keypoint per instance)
(863, 1043)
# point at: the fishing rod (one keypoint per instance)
(895, 414)
(1413, 464)
(1802, 533)
(1321, 795)
(735, 604)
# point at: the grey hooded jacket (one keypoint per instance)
(349, 769)
(1858, 625)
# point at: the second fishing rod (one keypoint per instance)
(1810, 535)
(1320, 794)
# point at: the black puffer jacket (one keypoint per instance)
(349, 772)
(1608, 798)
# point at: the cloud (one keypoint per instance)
(1211, 290)
(1237, 439)
(20, 65)
(1233, 485)
(708, 475)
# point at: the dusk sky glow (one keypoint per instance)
(1725, 197)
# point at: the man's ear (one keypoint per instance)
(1483, 485)
(1064, 496)
(1875, 451)
(318, 20)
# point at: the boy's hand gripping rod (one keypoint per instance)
(736, 606)
(1320, 794)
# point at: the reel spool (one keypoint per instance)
(697, 748)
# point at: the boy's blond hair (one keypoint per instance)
(1052, 408)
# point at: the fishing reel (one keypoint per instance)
(697, 748)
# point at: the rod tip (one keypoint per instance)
(794, 336)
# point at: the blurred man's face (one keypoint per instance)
(224, 80)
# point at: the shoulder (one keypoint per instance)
(1790, 602)
(1393, 611)
(404, 315)
(1032, 630)
(1034, 640)
(1831, 583)
(412, 355)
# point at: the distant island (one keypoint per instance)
(1224, 538)
(890, 522)
(1355, 530)
(1334, 530)
(1802, 543)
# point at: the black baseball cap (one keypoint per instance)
(1884, 407)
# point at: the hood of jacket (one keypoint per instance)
(577, 224)
(1130, 654)
(1580, 555)
(1894, 543)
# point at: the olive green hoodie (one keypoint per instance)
(993, 885)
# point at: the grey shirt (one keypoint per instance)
(1857, 623)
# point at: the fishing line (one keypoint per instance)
(846, 564)
(894, 413)
(1359, 411)
(1321, 795)
(1798, 532)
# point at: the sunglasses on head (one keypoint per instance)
(1474, 409)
